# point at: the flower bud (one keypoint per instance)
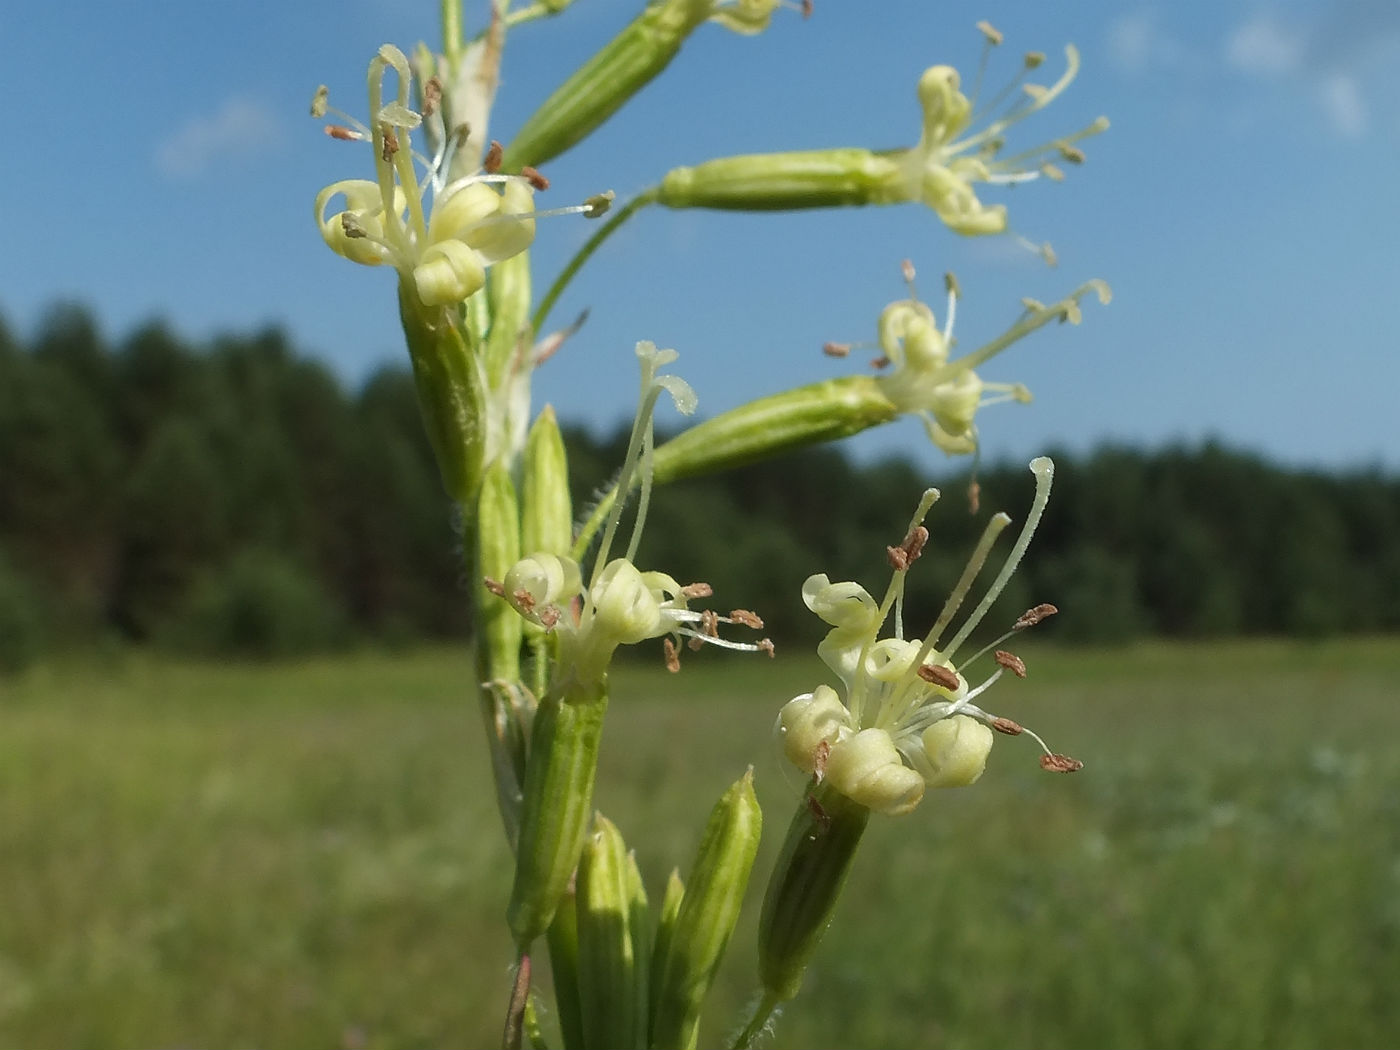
(563, 963)
(707, 915)
(611, 1012)
(547, 517)
(827, 178)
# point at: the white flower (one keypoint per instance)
(907, 721)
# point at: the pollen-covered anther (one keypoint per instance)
(344, 134)
(391, 142)
(549, 616)
(1031, 617)
(914, 543)
(1005, 725)
(765, 645)
(1011, 662)
(709, 623)
(524, 601)
(432, 96)
(699, 589)
(351, 227)
(746, 618)
(937, 674)
(806, 8)
(906, 270)
(672, 656)
(879, 362)
(494, 586)
(596, 206)
(492, 161)
(836, 349)
(535, 177)
(320, 101)
(1060, 764)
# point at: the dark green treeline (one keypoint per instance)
(235, 499)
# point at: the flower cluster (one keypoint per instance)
(440, 233)
(907, 721)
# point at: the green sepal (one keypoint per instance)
(829, 178)
(665, 934)
(451, 393)
(603, 84)
(805, 886)
(498, 548)
(608, 965)
(707, 915)
(559, 778)
(508, 291)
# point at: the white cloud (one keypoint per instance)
(239, 127)
(1137, 42)
(1264, 45)
(1342, 102)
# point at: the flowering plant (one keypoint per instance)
(453, 214)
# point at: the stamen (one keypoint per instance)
(746, 618)
(533, 176)
(836, 349)
(937, 674)
(672, 657)
(1060, 763)
(1031, 617)
(344, 134)
(1011, 662)
(492, 163)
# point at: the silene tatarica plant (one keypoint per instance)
(453, 214)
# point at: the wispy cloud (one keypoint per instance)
(1330, 57)
(1138, 42)
(238, 128)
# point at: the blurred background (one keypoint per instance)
(242, 797)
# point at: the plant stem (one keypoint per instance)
(593, 243)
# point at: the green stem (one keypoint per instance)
(452, 33)
(762, 1011)
(593, 243)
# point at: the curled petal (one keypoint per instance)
(846, 605)
(954, 752)
(448, 273)
(542, 580)
(867, 768)
(808, 721)
(357, 232)
(625, 610)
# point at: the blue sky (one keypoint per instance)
(162, 164)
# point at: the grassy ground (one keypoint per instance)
(309, 855)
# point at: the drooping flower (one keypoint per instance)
(440, 233)
(920, 378)
(952, 155)
(906, 719)
(620, 604)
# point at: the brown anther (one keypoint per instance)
(699, 589)
(350, 226)
(836, 349)
(695, 643)
(806, 8)
(1071, 154)
(1031, 617)
(709, 623)
(899, 561)
(746, 618)
(937, 674)
(524, 600)
(549, 616)
(880, 362)
(432, 95)
(391, 142)
(673, 658)
(1011, 662)
(492, 162)
(1060, 764)
(907, 553)
(535, 178)
(341, 132)
(906, 269)
(974, 496)
(765, 645)
(494, 587)
(1005, 725)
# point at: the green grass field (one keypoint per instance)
(309, 856)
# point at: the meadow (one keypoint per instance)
(309, 855)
